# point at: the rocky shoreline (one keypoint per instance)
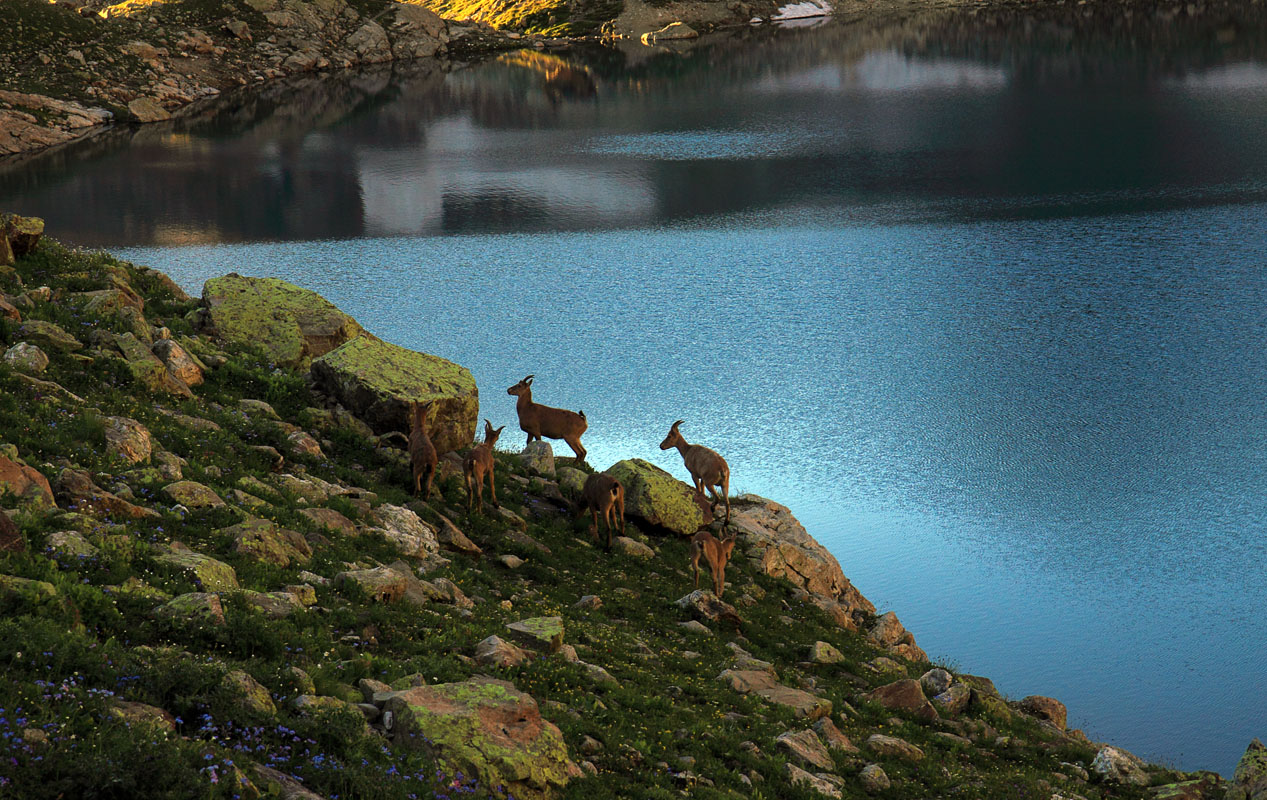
(207, 556)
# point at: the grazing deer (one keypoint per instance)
(477, 464)
(537, 420)
(707, 468)
(604, 495)
(422, 453)
(716, 553)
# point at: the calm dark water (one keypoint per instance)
(983, 298)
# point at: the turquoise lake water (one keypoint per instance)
(982, 298)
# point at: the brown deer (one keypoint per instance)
(477, 464)
(707, 468)
(422, 453)
(604, 495)
(537, 420)
(716, 553)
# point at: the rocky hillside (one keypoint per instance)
(216, 584)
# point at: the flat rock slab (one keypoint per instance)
(904, 695)
(806, 748)
(191, 495)
(265, 541)
(198, 607)
(894, 747)
(543, 634)
(207, 573)
(486, 729)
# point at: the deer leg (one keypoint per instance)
(695, 554)
(431, 473)
(719, 577)
(492, 489)
(574, 442)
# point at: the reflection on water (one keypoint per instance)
(980, 296)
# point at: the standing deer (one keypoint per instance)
(537, 420)
(422, 453)
(707, 468)
(477, 464)
(604, 495)
(716, 553)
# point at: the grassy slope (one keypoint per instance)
(64, 659)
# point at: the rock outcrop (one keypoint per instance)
(656, 497)
(377, 381)
(1249, 782)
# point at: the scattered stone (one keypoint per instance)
(25, 483)
(570, 479)
(1119, 766)
(70, 544)
(633, 547)
(805, 747)
(935, 681)
(824, 653)
(128, 440)
(904, 695)
(250, 694)
(192, 495)
(453, 540)
(47, 336)
(26, 358)
(894, 747)
(144, 715)
(834, 738)
(674, 30)
(542, 634)
(538, 457)
(146, 369)
(873, 779)
(301, 443)
(497, 652)
(655, 496)
(381, 584)
(207, 573)
(179, 362)
(590, 602)
(485, 729)
(511, 561)
(694, 626)
(822, 783)
(705, 605)
(194, 607)
(147, 109)
(1045, 708)
(406, 530)
(954, 700)
(330, 520)
(281, 785)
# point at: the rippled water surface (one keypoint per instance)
(982, 298)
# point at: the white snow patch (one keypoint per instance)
(809, 8)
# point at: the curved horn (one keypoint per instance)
(679, 422)
(529, 379)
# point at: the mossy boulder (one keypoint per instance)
(18, 236)
(192, 494)
(147, 370)
(206, 572)
(657, 497)
(1249, 782)
(377, 381)
(15, 588)
(25, 357)
(294, 325)
(543, 634)
(488, 730)
(264, 541)
(249, 693)
(48, 336)
(25, 483)
(197, 607)
(128, 440)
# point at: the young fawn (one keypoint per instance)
(422, 453)
(477, 464)
(716, 552)
(604, 495)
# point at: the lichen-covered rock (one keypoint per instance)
(954, 700)
(1249, 782)
(543, 634)
(330, 520)
(198, 607)
(538, 457)
(381, 584)
(935, 681)
(264, 541)
(779, 545)
(485, 729)
(25, 483)
(128, 440)
(300, 443)
(207, 573)
(764, 684)
(48, 336)
(249, 693)
(451, 538)
(25, 357)
(22, 234)
(278, 784)
(132, 713)
(146, 369)
(833, 737)
(1119, 766)
(274, 605)
(293, 325)
(632, 547)
(705, 605)
(377, 381)
(192, 494)
(570, 479)
(70, 544)
(824, 653)
(178, 361)
(13, 587)
(873, 779)
(8, 310)
(824, 783)
(674, 30)
(657, 497)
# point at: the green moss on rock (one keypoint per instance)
(657, 497)
(378, 380)
(293, 324)
(209, 574)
